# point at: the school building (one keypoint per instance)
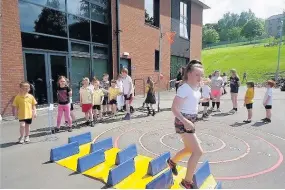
(42, 39)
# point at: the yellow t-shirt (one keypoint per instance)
(113, 93)
(86, 95)
(249, 95)
(146, 88)
(97, 96)
(24, 105)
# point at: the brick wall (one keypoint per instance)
(12, 71)
(196, 31)
(141, 40)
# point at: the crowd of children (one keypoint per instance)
(106, 97)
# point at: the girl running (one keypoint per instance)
(234, 85)
(150, 97)
(216, 90)
(63, 94)
(248, 100)
(185, 110)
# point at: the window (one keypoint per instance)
(75, 47)
(183, 20)
(79, 28)
(99, 32)
(152, 12)
(99, 13)
(44, 20)
(78, 7)
(156, 61)
(43, 42)
(56, 4)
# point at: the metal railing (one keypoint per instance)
(143, 86)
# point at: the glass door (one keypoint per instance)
(36, 74)
(57, 67)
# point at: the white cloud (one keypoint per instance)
(261, 8)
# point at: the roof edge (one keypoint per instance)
(199, 2)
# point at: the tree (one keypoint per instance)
(234, 33)
(244, 17)
(210, 36)
(252, 29)
(51, 21)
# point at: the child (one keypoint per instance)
(120, 98)
(206, 94)
(185, 110)
(63, 94)
(225, 80)
(267, 101)
(128, 90)
(71, 107)
(98, 97)
(234, 86)
(25, 110)
(248, 101)
(105, 85)
(113, 93)
(86, 101)
(216, 90)
(150, 97)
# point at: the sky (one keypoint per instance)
(261, 8)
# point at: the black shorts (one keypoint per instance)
(248, 106)
(128, 98)
(113, 102)
(96, 107)
(268, 107)
(234, 90)
(206, 104)
(71, 107)
(27, 121)
(105, 101)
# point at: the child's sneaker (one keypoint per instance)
(92, 123)
(247, 121)
(127, 117)
(267, 120)
(187, 185)
(21, 140)
(172, 166)
(205, 115)
(218, 110)
(69, 129)
(27, 139)
(153, 113)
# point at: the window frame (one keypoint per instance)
(183, 20)
(156, 13)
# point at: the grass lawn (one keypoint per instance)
(258, 61)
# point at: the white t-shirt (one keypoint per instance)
(120, 85)
(91, 87)
(268, 94)
(225, 79)
(127, 85)
(217, 83)
(86, 95)
(206, 91)
(191, 99)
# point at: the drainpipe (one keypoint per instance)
(118, 33)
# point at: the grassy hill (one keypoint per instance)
(258, 61)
